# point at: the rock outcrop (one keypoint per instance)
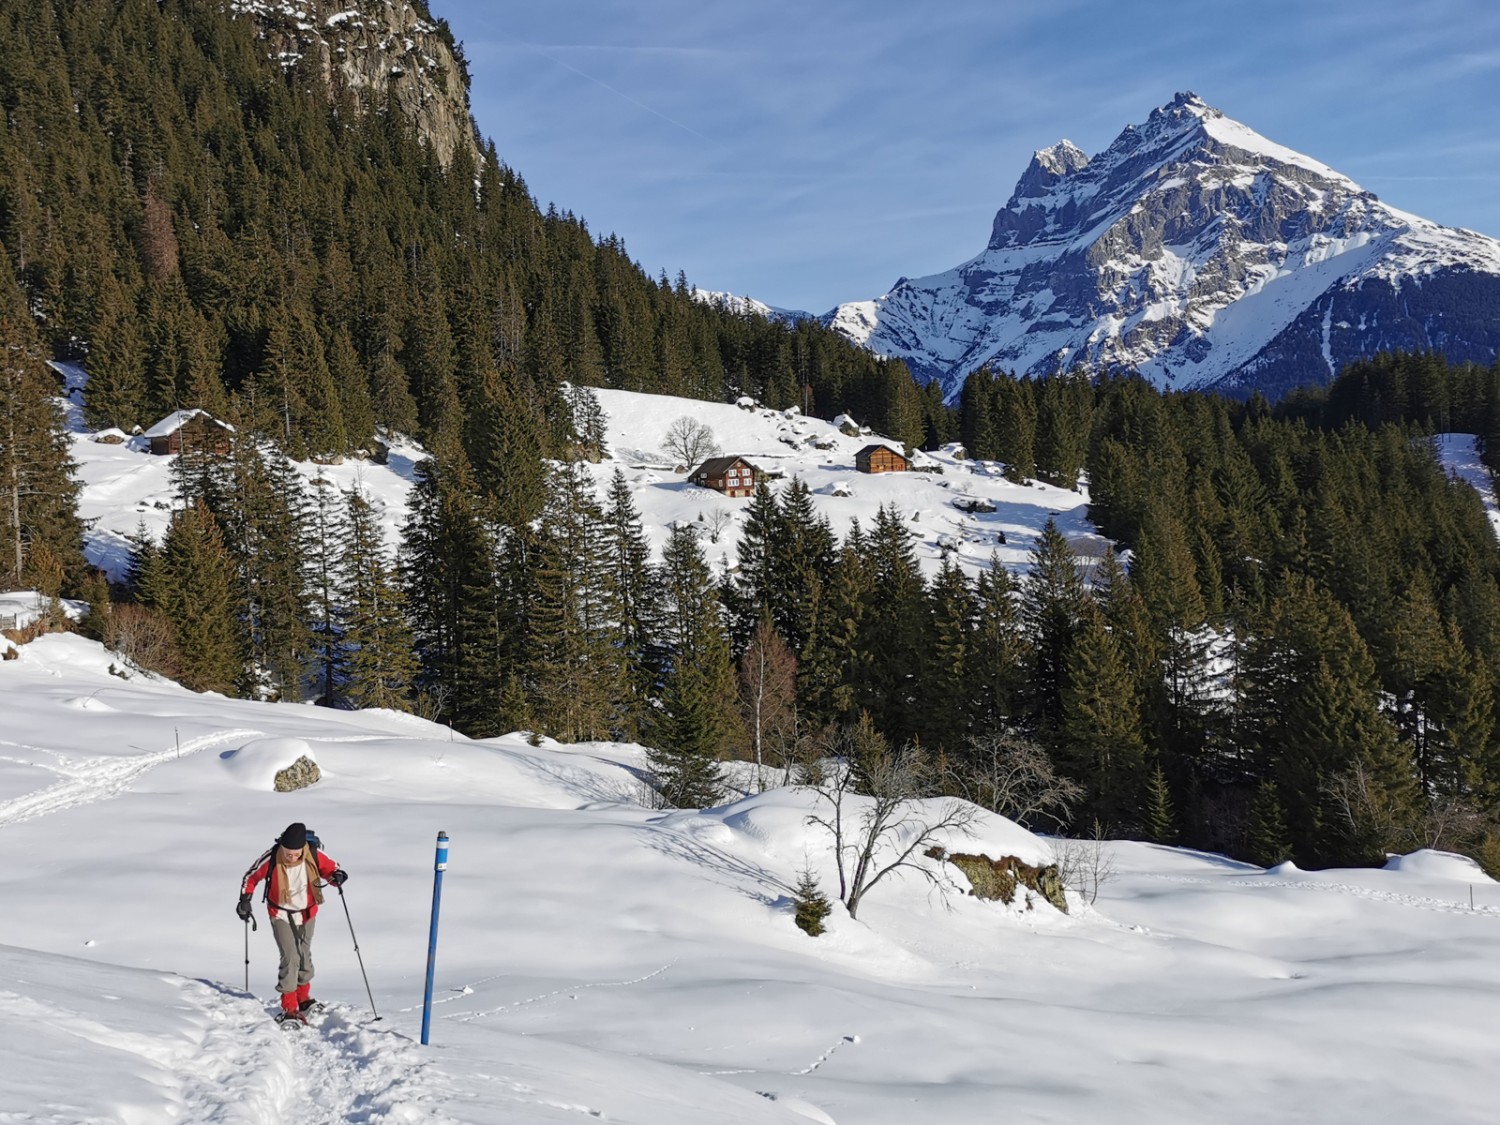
(997, 879)
(380, 51)
(299, 775)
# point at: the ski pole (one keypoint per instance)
(357, 957)
(249, 924)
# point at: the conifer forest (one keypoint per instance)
(1292, 651)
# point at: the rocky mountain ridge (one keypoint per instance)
(380, 51)
(1198, 253)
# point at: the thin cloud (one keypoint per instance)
(616, 91)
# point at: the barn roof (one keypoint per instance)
(179, 418)
(877, 446)
(716, 465)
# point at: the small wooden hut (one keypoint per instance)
(881, 459)
(197, 430)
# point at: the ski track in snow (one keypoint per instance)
(466, 1017)
(241, 1068)
(98, 779)
(1415, 902)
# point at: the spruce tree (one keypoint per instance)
(895, 628)
(191, 581)
(697, 724)
(811, 905)
(1101, 723)
(1158, 814)
(635, 587)
(1000, 656)
(573, 642)
(381, 667)
(1052, 602)
(1269, 842)
(943, 707)
(40, 534)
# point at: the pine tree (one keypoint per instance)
(635, 587)
(449, 573)
(1101, 723)
(191, 581)
(1052, 601)
(1000, 655)
(1269, 842)
(381, 668)
(573, 640)
(1015, 428)
(943, 706)
(1158, 814)
(894, 629)
(697, 724)
(811, 905)
(328, 617)
(40, 537)
(116, 391)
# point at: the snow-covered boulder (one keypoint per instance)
(271, 763)
(1428, 863)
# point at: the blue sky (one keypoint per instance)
(812, 152)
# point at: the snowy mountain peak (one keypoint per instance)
(1062, 158)
(1198, 252)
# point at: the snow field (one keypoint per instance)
(787, 442)
(600, 959)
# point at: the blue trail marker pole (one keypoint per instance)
(437, 897)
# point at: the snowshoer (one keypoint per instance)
(294, 871)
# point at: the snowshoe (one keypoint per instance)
(310, 1007)
(291, 1021)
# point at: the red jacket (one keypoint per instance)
(268, 868)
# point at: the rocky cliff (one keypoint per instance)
(1198, 253)
(377, 50)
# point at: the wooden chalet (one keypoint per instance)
(733, 476)
(197, 430)
(881, 459)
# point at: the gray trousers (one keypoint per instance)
(294, 943)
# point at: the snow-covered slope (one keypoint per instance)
(1196, 252)
(786, 443)
(749, 306)
(126, 488)
(600, 960)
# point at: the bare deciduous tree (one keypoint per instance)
(768, 694)
(880, 817)
(145, 638)
(718, 519)
(1368, 811)
(690, 441)
(1009, 773)
(1084, 866)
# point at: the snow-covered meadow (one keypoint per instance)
(601, 959)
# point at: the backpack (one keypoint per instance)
(265, 888)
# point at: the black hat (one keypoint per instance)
(294, 837)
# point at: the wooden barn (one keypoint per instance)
(189, 429)
(881, 459)
(733, 476)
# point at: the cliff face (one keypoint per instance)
(376, 50)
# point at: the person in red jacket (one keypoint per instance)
(295, 873)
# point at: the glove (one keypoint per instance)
(339, 877)
(243, 909)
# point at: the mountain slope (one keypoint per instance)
(1198, 253)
